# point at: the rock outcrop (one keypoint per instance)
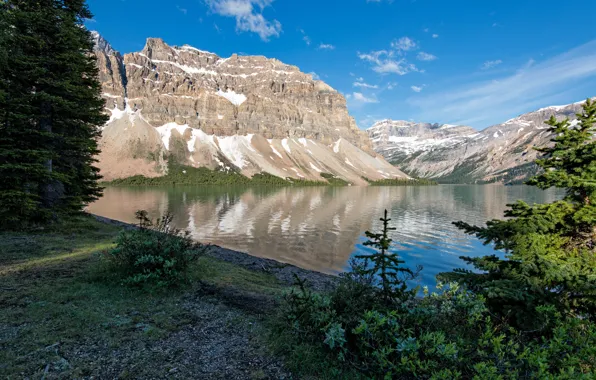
(450, 153)
(246, 113)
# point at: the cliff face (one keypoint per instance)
(246, 113)
(502, 152)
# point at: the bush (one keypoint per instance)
(358, 331)
(446, 335)
(154, 254)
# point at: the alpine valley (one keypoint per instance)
(247, 114)
(460, 154)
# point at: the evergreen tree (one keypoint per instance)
(50, 110)
(387, 266)
(550, 248)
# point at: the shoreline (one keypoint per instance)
(282, 271)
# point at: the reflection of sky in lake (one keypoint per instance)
(320, 228)
(433, 258)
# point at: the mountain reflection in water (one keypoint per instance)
(320, 228)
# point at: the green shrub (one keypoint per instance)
(358, 331)
(401, 182)
(154, 254)
(445, 335)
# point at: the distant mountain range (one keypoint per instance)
(249, 114)
(461, 154)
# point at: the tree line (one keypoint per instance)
(50, 111)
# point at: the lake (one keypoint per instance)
(320, 228)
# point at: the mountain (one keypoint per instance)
(450, 153)
(244, 113)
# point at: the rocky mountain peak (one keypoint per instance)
(246, 113)
(101, 44)
(502, 152)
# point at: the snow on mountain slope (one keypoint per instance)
(130, 145)
(462, 154)
(245, 113)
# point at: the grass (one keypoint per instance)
(188, 175)
(55, 304)
(401, 182)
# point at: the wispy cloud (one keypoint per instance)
(393, 60)
(249, 16)
(403, 44)
(326, 47)
(305, 38)
(435, 35)
(490, 64)
(383, 62)
(315, 76)
(481, 103)
(360, 83)
(368, 121)
(361, 98)
(183, 10)
(422, 56)
(417, 88)
(391, 85)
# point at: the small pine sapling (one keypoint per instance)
(393, 276)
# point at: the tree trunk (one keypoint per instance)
(52, 191)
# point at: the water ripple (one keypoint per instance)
(321, 228)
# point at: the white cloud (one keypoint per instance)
(315, 76)
(249, 16)
(348, 96)
(416, 88)
(359, 97)
(326, 47)
(383, 63)
(425, 30)
(364, 85)
(387, 61)
(183, 10)
(422, 56)
(305, 38)
(391, 85)
(435, 35)
(490, 64)
(485, 102)
(403, 44)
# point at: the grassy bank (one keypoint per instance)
(401, 182)
(59, 318)
(187, 175)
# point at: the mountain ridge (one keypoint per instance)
(249, 114)
(498, 153)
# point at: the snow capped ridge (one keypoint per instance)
(500, 152)
(101, 44)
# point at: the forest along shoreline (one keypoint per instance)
(285, 273)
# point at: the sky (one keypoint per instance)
(476, 62)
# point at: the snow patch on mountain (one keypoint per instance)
(165, 131)
(233, 97)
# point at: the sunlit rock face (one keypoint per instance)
(248, 113)
(502, 152)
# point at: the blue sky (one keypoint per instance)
(475, 62)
